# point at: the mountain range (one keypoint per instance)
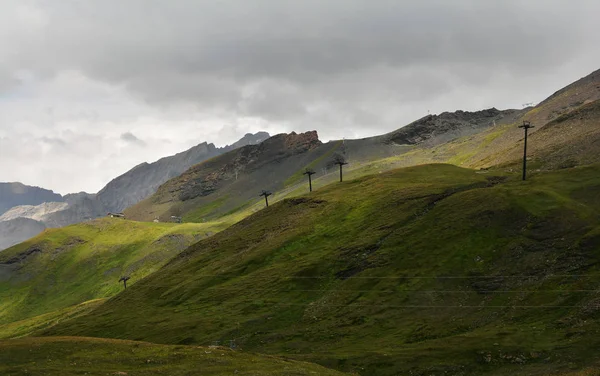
(46, 209)
(182, 186)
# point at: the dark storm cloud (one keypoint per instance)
(215, 53)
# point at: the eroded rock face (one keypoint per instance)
(292, 142)
(243, 160)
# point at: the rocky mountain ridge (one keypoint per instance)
(15, 194)
(450, 124)
(235, 176)
(143, 180)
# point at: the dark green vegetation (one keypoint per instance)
(66, 356)
(64, 267)
(431, 270)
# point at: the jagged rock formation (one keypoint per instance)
(15, 194)
(144, 179)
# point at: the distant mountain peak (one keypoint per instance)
(144, 179)
(15, 194)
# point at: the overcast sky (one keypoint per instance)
(88, 89)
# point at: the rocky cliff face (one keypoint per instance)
(143, 180)
(15, 194)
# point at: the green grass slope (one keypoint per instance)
(25, 327)
(429, 270)
(64, 267)
(66, 356)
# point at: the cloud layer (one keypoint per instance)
(99, 86)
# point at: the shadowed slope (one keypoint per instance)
(432, 269)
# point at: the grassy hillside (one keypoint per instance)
(430, 270)
(66, 356)
(25, 327)
(64, 267)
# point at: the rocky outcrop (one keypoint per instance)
(16, 194)
(447, 125)
(298, 143)
(144, 179)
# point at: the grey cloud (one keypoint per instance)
(208, 52)
(132, 139)
(54, 141)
